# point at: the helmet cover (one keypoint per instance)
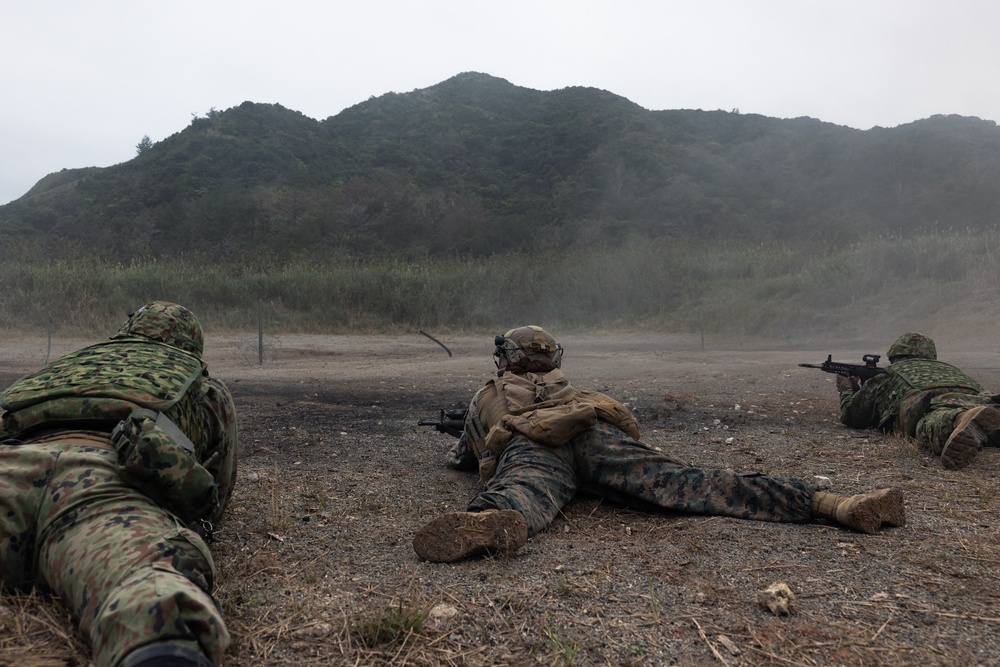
(912, 345)
(527, 348)
(165, 322)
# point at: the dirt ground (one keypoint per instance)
(316, 566)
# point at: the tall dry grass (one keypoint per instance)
(728, 289)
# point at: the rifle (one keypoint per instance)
(863, 373)
(451, 422)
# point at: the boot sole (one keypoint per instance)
(968, 437)
(878, 508)
(457, 535)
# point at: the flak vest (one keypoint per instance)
(544, 407)
(924, 374)
(920, 381)
(124, 388)
(98, 386)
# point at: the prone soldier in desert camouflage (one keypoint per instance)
(108, 457)
(537, 440)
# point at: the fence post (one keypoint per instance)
(48, 332)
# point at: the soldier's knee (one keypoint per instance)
(192, 558)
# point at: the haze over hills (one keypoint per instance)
(477, 165)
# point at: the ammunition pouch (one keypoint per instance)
(157, 458)
(488, 451)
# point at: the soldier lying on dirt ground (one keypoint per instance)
(107, 455)
(939, 405)
(537, 440)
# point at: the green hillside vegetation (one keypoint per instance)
(476, 203)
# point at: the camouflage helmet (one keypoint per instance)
(527, 348)
(166, 322)
(912, 345)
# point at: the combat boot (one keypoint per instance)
(973, 429)
(165, 654)
(864, 512)
(458, 535)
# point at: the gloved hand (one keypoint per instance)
(461, 457)
(845, 383)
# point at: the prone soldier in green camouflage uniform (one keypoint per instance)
(947, 411)
(107, 456)
(537, 440)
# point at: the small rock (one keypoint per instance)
(320, 629)
(440, 614)
(777, 598)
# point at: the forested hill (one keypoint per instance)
(477, 165)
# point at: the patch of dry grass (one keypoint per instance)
(35, 631)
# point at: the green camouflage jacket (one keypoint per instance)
(901, 395)
(96, 387)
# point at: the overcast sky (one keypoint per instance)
(82, 81)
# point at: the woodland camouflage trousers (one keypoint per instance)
(128, 571)
(538, 480)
